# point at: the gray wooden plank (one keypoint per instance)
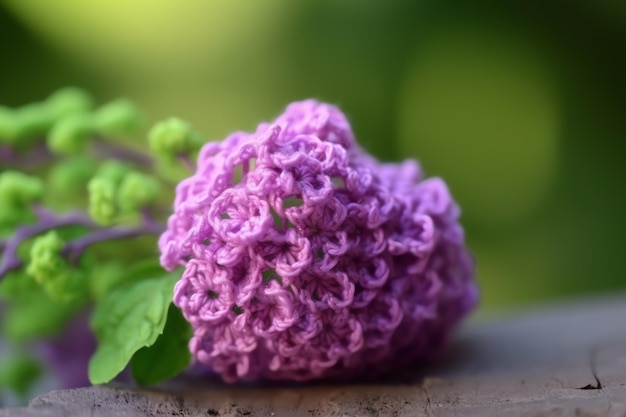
(559, 360)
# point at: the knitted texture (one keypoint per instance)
(307, 258)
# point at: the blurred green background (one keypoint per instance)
(519, 105)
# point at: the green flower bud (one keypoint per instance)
(70, 134)
(137, 191)
(66, 287)
(49, 269)
(46, 262)
(102, 204)
(68, 101)
(114, 171)
(118, 117)
(11, 217)
(19, 190)
(17, 284)
(33, 120)
(172, 138)
(8, 125)
(70, 176)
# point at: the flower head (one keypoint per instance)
(307, 258)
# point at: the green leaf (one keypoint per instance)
(127, 319)
(169, 356)
(105, 278)
(108, 277)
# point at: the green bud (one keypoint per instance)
(11, 217)
(8, 125)
(66, 287)
(173, 137)
(68, 101)
(17, 284)
(46, 262)
(49, 269)
(114, 171)
(103, 190)
(18, 190)
(118, 117)
(70, 176)
(33, 120)
(137, 191)
(102, 203)
(70, 134)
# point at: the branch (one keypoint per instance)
(107, 149)
(6, 153)
(47, 221)
(74, 249)
(187, 162)
(37, 155)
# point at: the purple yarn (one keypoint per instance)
(316, 261)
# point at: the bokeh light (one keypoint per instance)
(518, 105)
(479, 107)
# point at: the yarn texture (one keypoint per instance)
(304, 257)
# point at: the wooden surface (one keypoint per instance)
(566, 360)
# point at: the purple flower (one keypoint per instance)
(307, 258)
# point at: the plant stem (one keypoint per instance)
(186, 160)
(6, 153)
(37, 155)
(74, 249)
(104, 149)
(10, 260)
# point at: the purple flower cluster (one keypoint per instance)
(307, 258)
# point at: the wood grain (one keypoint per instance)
(563, 360)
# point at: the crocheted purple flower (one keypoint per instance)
(307, 258)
